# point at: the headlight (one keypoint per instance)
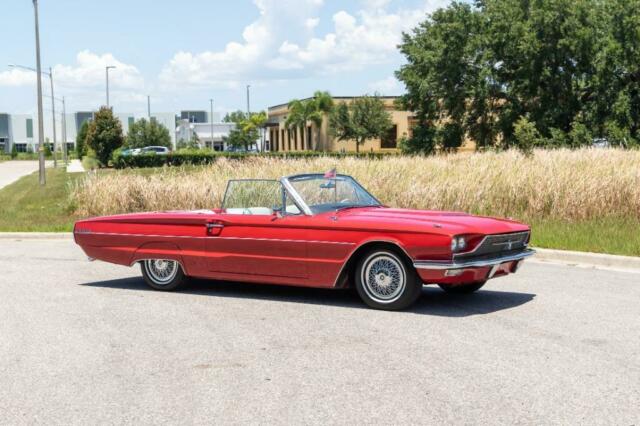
(462, 243)
(458, 244)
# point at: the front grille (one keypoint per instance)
(498, 244)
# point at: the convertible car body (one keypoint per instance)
(315, 230)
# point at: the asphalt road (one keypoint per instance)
(87, 343)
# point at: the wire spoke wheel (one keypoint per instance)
(384, 278)
(161, 271)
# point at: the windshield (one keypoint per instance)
(325, 194)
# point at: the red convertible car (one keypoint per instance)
(313, 230)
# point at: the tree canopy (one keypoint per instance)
(571, 68)
(104, 135)
(364, 118)
(81, 137)
(147, 133)
(313, 110)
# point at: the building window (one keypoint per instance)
(21, 147)
(309, 136)
(29, 127)
(288, 140)
(390, 140)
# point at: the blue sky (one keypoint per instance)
(182, 53)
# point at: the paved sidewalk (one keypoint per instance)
(11, 171)
(75, 166)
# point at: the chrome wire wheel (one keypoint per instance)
(161, 271)
(384, 277)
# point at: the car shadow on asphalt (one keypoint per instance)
(432, 302)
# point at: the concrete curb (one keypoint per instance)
(36, 236)
(542, 255)
(587, 259)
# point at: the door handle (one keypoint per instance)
(214, 228)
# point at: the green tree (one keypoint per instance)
(561, 63)
(235, 117)
(14, 151)
(104, 135)
(247, 130)
(81, 140)
(365, 118)
(147, 133)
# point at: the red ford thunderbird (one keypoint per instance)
(313, 230)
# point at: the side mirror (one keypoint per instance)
(277, 213)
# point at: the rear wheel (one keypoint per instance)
(384, 280)
(163, 274)
(466, 288)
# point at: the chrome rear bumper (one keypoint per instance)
(473, 263)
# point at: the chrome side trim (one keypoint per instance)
(427, 264)
(222, 238)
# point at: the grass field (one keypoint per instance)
(587, 200)
(28, 207)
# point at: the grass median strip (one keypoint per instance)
(25, 206)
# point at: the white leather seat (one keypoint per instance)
(250, 210)
(293, 209)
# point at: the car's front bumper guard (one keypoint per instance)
(473, 263)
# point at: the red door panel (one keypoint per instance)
(257, 245)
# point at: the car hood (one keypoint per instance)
(438, 222)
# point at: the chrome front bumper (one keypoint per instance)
(473, 263)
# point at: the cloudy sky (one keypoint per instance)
(182, 53)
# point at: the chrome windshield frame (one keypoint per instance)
(298, 198)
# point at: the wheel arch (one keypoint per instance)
(158, 250)
(344, 278)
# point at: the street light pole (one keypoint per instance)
(107, 68)
(248, 104)
(211, 122)
(149, 107)
(53, 110)
(42, 177)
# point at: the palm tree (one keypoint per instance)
(323, 105)
(311, 110)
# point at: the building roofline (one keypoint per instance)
(333, 97)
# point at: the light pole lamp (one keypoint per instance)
(53, 105)
(107, 68)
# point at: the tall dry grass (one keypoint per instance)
(561, 184)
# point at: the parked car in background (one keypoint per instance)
(312, 230)
(601, 143)
(130, 151)
(160, 150)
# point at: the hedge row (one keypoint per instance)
(200, 157)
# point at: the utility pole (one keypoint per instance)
(211, 122)
(42, 176)
(64, 132)
(107, 68)
(53, 110)
(149, 107)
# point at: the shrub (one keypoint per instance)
(526, 135)
(203, 156)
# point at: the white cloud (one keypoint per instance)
(16, 77)
(89, 71)
(387, 86)
(280, 44)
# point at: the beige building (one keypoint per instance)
(284, 140)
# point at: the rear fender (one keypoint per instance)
(158, 250)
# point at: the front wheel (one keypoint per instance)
(163, 274)
(384, 280)
(462, 288)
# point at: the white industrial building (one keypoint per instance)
(22, 129)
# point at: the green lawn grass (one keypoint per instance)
(26, 206)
